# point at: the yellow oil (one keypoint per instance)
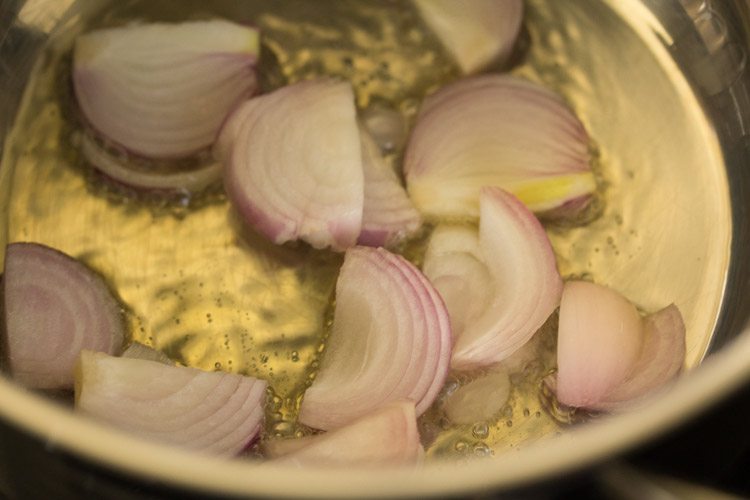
(200, 286)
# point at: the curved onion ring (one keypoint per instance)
(212, 412)
(54, 307)
(164, 90)
(390, 340)
(193, 180)
(294, 164)
(526, 285)
(388, 436)
(388, 215)
(496, 130)
(478, 32)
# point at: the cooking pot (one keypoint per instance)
(662, 86)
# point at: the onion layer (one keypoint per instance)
(607, 356)
(476, 32)
(294, 164)
(137, 350)
(163, 90)
(390, 340)
(496, 130)
(662, 358)
(211, 412)
(479, 400)
(120, 169)
(388, 436)
(388, 214)
(501, 287)
(54, 307)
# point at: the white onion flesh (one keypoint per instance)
(453, 263)
(121, 170)
(211, 412)
(388, 436)
(390, 340)
(388, 215)
(294, 164)
(137, 350)
(502, 131)
(516, 269)
(386, 126)
(600, 338)
(661, 359)
(476, 32)
(480, 400)
(163, 90)
(54, 307)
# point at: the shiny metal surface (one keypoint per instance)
(673, 227)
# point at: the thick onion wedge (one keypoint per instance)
(54, 308)
(211, 412)
(388, 215)
(661, 359)
(294, 164)
(599, 340)
(496, 130)
(164, 90)
(476, 32)
(390, 340)
(388, 436)
(501, 287)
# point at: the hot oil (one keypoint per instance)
(211, 294)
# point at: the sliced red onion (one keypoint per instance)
(164, 90)
(388, 215)
(294, 164)
(390, 340)
(515, 267)
(453, 263)
(600, 338)
(661, 359)
(54, 308)
(496, 130)
(477, 33)
(388, 436)
(211, 412)
(480, 400)
(122, 170)
(275, 448)
(137, 350)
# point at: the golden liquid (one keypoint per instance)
(211, 294)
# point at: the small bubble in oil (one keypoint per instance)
(509, 423)
(461, 446)
(526, 412)
(295, 356)
(217, 365)
(480, 431)
(482, 450)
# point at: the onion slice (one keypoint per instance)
(388, 215)
(54, 307)
(137, 350)
(661, 359)
(388, 436)
(480, 400)
(501, 287)
(476, 32)
(122, 169)
(163, 90)
(212, 412)
(390, 340)
(294, 164)
(496, 130)
(600, 338)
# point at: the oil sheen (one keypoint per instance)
(198, 285)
